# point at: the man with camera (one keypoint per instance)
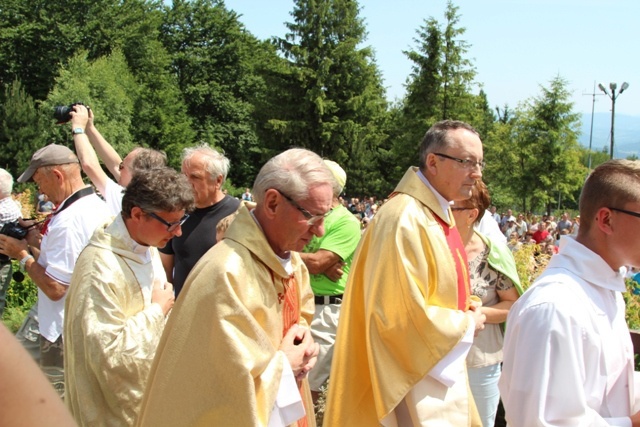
(88, 141)
(9, 213)
(50, 261)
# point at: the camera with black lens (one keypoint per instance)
(15, 230)
(62, 113)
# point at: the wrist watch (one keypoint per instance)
(23, 262)
(77, 131)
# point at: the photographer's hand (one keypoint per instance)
(13, 248)
(79, 117)
(33, 234)
(90, 126)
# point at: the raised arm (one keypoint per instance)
(84, 150)
(106, 153)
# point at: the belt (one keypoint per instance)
(328, 299)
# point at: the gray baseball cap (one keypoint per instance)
(52, 154)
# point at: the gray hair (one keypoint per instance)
(293, 172)
(215, 162)
(160, 189)
(6, 184)
(147, 158)
(437, 137)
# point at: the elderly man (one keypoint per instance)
(50, 263)
(206, 169)
(407, 322)
(328, 259)
(119, 299)
(9, 212)
(568, 356)
(237, 346)
(87, 140)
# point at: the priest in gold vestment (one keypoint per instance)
(407, 322)
(118, 301)
(237, 347)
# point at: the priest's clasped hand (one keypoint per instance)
(301, 350)
(475, 311)
(163, 295)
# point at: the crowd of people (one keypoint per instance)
(164, 301)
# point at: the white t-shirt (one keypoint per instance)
(67, 234)
(113, 196)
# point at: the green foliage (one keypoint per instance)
(107, 86)
(336, 99)
(632, 301)
(321, 405)
(535, 156)
(21, 129)
(439, 87)
(20, 297)
(168, 75)
(529, 265)
(215, 62)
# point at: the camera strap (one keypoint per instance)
(71, 200)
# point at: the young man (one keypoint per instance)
(119, 299)
(88, 140)
(568, 356)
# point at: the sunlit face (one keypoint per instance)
(47, 184)
(624, 247)
(125, 169)
(296, 233)
(204, 186)
(153, 232)
(465, 215)
(455, 181)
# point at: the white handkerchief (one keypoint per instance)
(288, 407)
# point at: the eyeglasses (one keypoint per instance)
(465, 163)
(636, 214)
(311, 219)
(461, 209)
(121, 166)
(171, 226)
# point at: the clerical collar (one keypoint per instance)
(285, 262)
(444, 203)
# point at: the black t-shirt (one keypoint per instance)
(198, 236)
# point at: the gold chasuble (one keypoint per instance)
(218, 362)
(401, 315)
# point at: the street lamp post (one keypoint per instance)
(613, 97)
(593, 106)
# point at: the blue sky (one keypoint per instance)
(516, 45)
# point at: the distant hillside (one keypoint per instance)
(627, 133)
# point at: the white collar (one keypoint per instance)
(587, 265)
(444, 203)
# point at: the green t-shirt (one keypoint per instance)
(341, 236)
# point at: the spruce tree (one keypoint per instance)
(336, 89)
